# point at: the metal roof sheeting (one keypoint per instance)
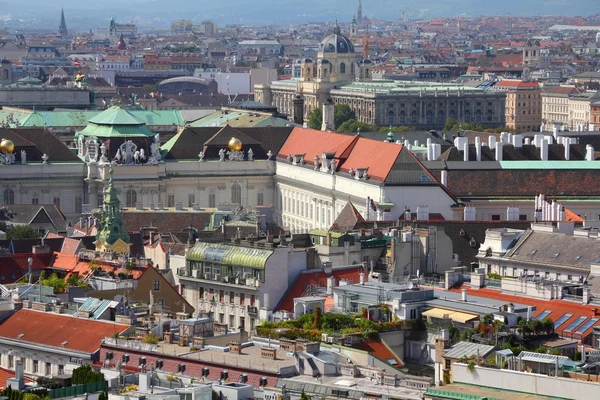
(230, 255)
(468, 349)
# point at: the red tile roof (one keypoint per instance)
(70, 245)
(63, 261)
(351, 152)
(316, 278)
(6, 374)
(49, 329)
(517, 84)
(570, 216)
(558, 308)
(378, 349)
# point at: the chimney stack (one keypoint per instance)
(499, 147)
(328, 116)
(589, 153)
(478, 148)
(444, 178)
(492, 142)
(464, 295)
(544, 150)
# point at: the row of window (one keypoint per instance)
(35, 366)
(8, 198)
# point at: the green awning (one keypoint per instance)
(225, 254)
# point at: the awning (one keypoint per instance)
(456, 316)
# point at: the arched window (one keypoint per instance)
(236, 194)
(402, 117)
(429, 117)
(489, 116)
(414, 117)
(467, 116)
(342, 68)
(440, 117)
(478, 115)
(391, 117)
(452, 114)
(131, 198)
(9, 196)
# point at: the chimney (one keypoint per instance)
(18, 382)
(362, 278)
(528, 313)
(464, 295)
(492, 142)
(527, 141)
(41, 249)
(328, 116)
(544, 150)
(478, 148)
(444, 178)
(298, 110)
(330, 284)
(517, 141)
(465, 150)
(589, 152)
(429, 150)
(567, 145)
(499, 151)
(511, 308)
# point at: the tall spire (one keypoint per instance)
(359, 13)
(112, 236)
(62, 29)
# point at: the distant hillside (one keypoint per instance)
(87, 15)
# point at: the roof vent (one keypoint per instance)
(20, 335)
(64, 343)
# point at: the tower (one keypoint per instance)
(5, 72)
(353, 29)
(62, 29)
(359, 13)
(112, 236)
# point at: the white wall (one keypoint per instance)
(526, 382)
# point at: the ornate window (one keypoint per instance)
(130, 198)
(440, 117)
(402, 117)
(429, 117)
(391, 117)
(342, 68)
(260, 199)
(9, 196)
(467, 116)
(212, 200)
(489, 115)
(236, 194)
(478, 115)
(414, 117)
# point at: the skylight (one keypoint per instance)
(64, 343)
(533, 252)
(556, 255)
(577, 258)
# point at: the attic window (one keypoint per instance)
(64, 343)
(556, 255)
(20, 335)
(577, 258)
(533, 252)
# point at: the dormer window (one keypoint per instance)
(361, 173)
(298, 159)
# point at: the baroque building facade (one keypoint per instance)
(339, 74)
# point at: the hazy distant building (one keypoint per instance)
(531, 53)
(62, 29)
(336, 74)
(207, 28)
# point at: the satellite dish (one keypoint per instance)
(411, 285)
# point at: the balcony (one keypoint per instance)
(226, 280)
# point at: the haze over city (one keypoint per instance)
(301, 200)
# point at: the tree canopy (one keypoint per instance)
(315, 118)
(343, 113)
(353, 126)
(22, 232)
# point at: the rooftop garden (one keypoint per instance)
(312, 326)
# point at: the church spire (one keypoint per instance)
(112, 236)
(359, 13)
(62, 29)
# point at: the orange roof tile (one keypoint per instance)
(378, 156)
(63, 261)
(379, 350)
(316, 278)
(570, 216)
(312, 142)
(558, 308)
(48, 329)
(70, 245)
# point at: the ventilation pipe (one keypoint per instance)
(544, 150)
(444, 178)
(499, 147)
(478, 148)
(589, 151)
(464, 295)
(567, 146)
(465, 150)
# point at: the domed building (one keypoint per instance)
(336, 64)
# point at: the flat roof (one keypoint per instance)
(461, 391)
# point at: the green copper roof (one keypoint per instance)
(550, 164)
(103, 131)
(248, 257)
(116, 116)
(70, 119)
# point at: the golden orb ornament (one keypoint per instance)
(235, 144)
(6, 146)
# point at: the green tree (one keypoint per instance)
(317, 318)
(315, 118)
(55, 282)
(150, 338)
(75, 280)
(150, 88)
(548, 325)
(353, 126)
(400, 128)
(304, 396)
(22, 232)
(343, 113)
